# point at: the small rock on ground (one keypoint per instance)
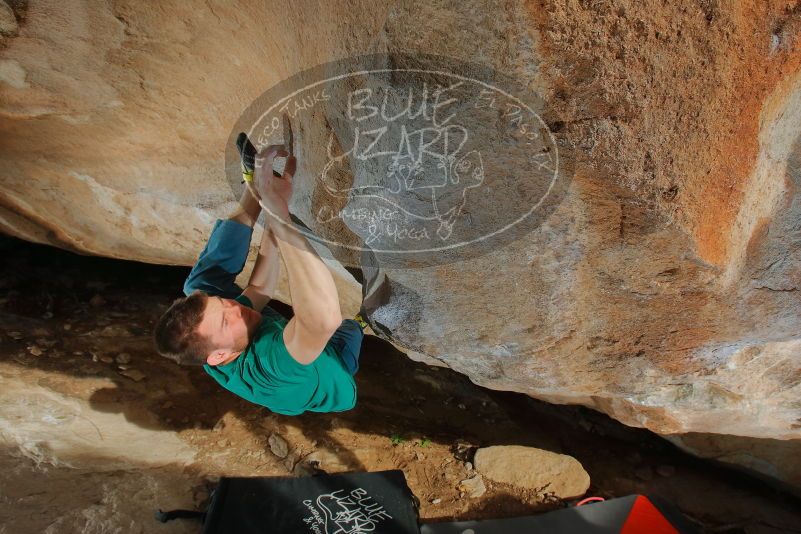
(278, 445)
(666, 470)
(133, 374)
(474, 486)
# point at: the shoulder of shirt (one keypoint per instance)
(243, 299)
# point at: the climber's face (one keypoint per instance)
(229, 326)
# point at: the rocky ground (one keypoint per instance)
(78, 328)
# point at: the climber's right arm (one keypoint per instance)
(315, 300)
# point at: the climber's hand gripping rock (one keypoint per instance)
(275, 191)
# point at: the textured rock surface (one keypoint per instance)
(65, 430)
(60, 499)
(664, 288)
(71, 464)
(534, 469)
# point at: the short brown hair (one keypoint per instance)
(176, 333)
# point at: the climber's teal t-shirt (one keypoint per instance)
(266, 374)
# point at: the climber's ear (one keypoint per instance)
(218, 356)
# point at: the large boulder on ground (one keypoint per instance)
(661, 284)
(534, 469)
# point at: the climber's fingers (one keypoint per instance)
(290, 167)
(267, 155)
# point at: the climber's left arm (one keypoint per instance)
(224, 256)
(266, 270)
(248, 211)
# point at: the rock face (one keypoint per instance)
(72, 463)
(662, 289)
(67, 431)
(62, 499)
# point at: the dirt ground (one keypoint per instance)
(81, 313)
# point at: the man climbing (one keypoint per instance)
(304, 364)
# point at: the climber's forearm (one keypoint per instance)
(266, 270)
(315, 300)
(248, 211)
(267, 267)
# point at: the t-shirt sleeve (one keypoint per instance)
(245, 301)
(272, 362)
(293, 385)
(285, 365)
